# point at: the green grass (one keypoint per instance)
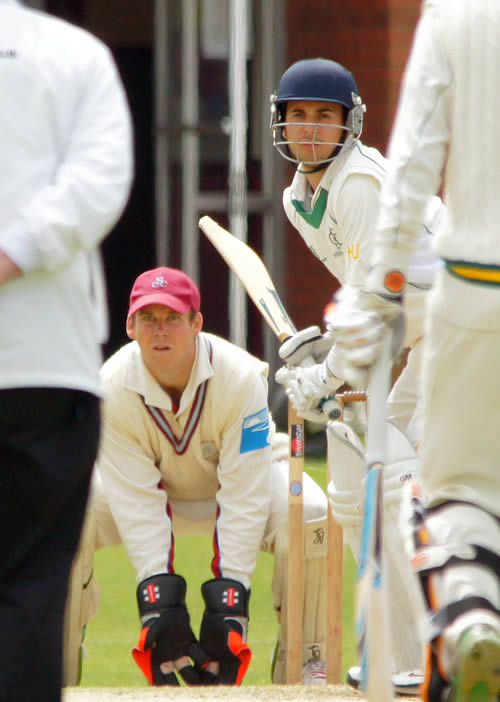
(113, 633)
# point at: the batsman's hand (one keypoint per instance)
(166, 642)
(307, 387)
(224, 626)
(307, 343)
(360, 319)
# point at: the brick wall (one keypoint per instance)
(371, 38)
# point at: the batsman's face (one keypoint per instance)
(167, 340)
(314, 129)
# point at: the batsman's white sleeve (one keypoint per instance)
(357, 211)
(417, 148)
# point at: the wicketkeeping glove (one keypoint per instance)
(223, 632)
(166, 634)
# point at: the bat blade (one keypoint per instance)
(372, 613)
(253, 274)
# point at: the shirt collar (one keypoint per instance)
(139, 379)
(302, 191)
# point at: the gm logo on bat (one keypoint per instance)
(296, 488)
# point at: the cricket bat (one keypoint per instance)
(254, 276)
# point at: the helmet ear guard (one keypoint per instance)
(354, 122)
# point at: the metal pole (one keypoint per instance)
(190, 146)
(162, 154)
(273, 246)
(237, 165)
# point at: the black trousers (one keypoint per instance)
(48, 444)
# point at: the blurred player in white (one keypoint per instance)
(66, 166)
(446, 130)
(316, 120)
(189, 447)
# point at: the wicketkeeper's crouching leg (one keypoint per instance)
(315, 575)
(346, 455)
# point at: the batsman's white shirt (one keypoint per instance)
(66, 165)
(216, 445)
(337, 222)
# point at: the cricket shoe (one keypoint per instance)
(476, 668)
(314, 673)
(405, 683)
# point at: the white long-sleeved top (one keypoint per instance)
(215, 447)
(66, 162)
(447, 122)
(337, 223)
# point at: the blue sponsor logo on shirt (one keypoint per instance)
(255, 431)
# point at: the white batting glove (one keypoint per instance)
(359, 322)
(307, 343)
(307, 387)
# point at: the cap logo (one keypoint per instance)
(159, 282)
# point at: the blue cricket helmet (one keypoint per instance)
(317, 79)
(322, 80)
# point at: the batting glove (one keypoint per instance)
(223, 632)
(307, 387)
(360, 319)
(166, 634)
(308, 343)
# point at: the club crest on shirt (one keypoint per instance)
(208, 450)
(333, 238)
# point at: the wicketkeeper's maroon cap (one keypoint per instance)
(164, 286)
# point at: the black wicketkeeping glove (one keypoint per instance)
(166, 634)
(223, 633)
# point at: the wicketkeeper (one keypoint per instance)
(189, 447)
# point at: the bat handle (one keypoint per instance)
(331, 407)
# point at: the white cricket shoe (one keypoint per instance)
(314, 673)
(406, 683)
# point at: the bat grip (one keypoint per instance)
(329, 405)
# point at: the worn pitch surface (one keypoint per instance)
(307, 693)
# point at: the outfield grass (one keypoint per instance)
(113, 633)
